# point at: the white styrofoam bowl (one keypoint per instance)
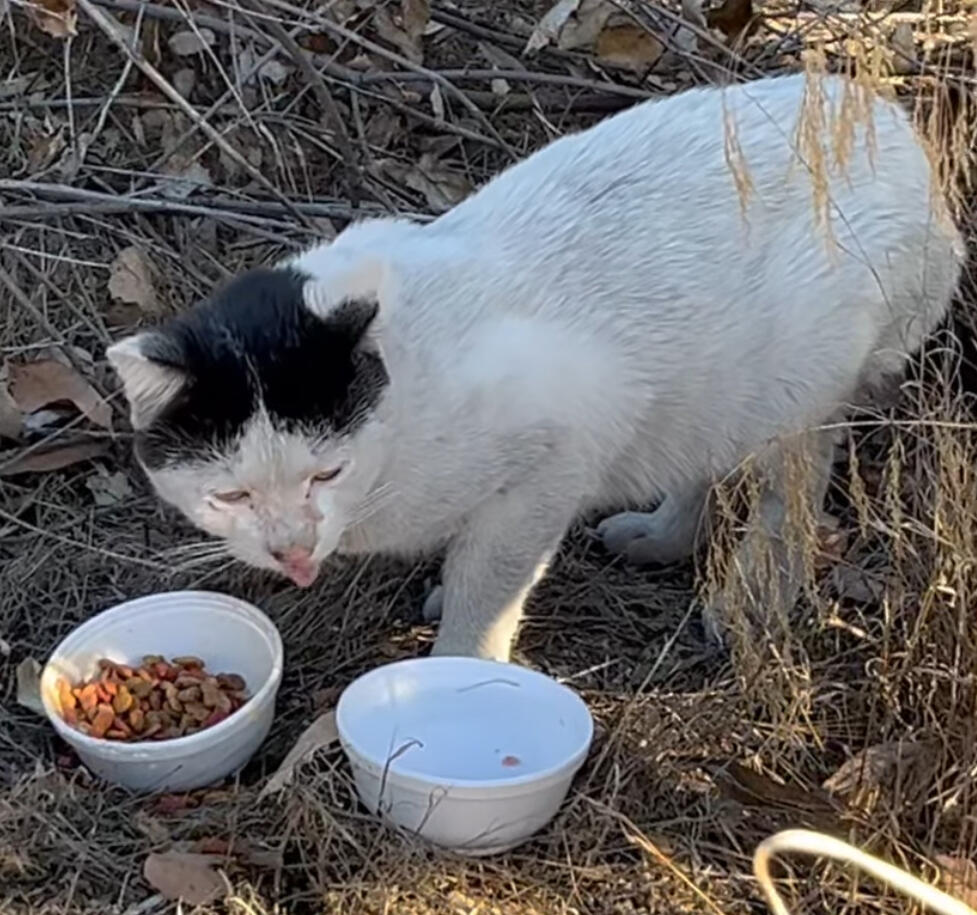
(229, 634)
(470, 754)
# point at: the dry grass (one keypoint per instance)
(699, 755)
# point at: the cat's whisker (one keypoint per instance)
(379, 499)
(193, 546)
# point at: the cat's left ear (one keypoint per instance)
(150, 377)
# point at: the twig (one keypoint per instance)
(327, 103)
(98, 201)
(111, 28)
(31, 309)
(329, 26)
(523, 76)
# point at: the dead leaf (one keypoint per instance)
(628, 45)
(318, 735)
(58, 18)
(188, 42)
(185, 876)
(382, 127)
(958, 876)
(34, 385)
(150, 827)
(437, 102)
(11, 420)
(109, 488)
(131, 280)
(274, 71)
(685, 38)
(863, 586)
(754, 789)
(582, 29)
(407, 33)
(43, 151)
(498, 58)
(832, 544)
(184, 80)
(416, 15)
(29, 685)
(185, 177)
(903, 44)
(735, 19)
(168, 804)
(240, 849)
(870, 767)
(548, 28)
(50, 459)
(442, 187)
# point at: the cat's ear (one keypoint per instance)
(150, 382)
(349, 298)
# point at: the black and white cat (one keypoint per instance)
(609, 323)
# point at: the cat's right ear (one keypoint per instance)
(149, 383)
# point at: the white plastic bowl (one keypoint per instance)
(473, 755)
(227, 633)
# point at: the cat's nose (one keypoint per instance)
(297, 564)
(293, 554)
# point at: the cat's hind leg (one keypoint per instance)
(769, 566)
(665, 535)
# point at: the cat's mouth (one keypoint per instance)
(302, 570)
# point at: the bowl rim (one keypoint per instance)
(397, 772)
(176, 746)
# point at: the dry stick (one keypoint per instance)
(233, 210)
(28, 306)
(399, 59)
(111, 28)
(517, 76)
(96, 328)
(80, 545)
(327, 103)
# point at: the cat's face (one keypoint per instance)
(258, 419)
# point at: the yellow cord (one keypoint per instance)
(805, 841)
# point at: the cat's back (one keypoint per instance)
(675, 177)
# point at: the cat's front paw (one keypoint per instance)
(645, 538)
(456, 646)
(433, 605)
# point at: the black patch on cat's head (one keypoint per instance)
(255, 343)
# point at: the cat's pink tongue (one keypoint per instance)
(302, 571)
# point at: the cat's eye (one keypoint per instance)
(326, 476)
(233, 496)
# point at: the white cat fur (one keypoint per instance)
(608, 323)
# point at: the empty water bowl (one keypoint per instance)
(470, 754)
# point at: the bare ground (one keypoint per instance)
(699, 753)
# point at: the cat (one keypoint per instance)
(615, 321)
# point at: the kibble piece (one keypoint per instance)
(137, 720)
(88, 697)
(158, 700)
(199, 711)
(186, 680)
(190, 694)
(231, 682)
(104, 716)
(123, 700)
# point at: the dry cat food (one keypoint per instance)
(158, 700)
